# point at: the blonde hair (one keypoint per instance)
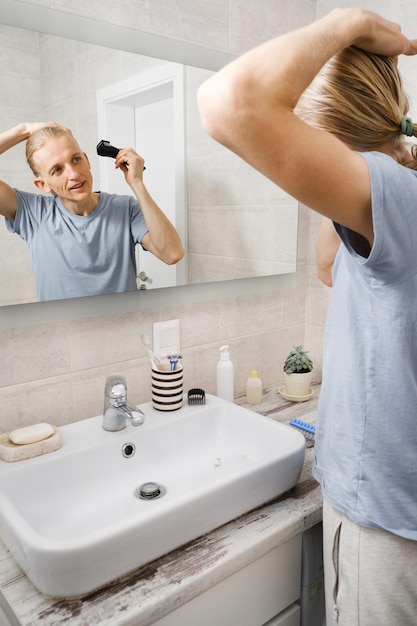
(359, 98)
(38, 139)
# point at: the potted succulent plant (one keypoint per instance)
(298, 372)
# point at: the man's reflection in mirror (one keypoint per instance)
(82, 242)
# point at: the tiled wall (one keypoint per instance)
(22, 101)
(56, 372)
(257, 220)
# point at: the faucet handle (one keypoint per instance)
(116, 388)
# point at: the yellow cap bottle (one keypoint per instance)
(254, 388)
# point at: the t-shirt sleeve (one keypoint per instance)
(30, 208)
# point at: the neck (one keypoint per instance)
(83, 208)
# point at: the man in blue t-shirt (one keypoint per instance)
(82, 242)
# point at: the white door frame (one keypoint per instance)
(116, 106)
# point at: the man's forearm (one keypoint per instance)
(162, 239)
(12, 137)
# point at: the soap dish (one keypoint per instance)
(11, 452)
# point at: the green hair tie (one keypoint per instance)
(407, 126)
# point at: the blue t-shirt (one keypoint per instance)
(366, 440)
(75, 255)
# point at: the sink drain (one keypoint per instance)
(149, 491)
(128, 450)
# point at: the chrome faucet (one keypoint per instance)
(116, 409)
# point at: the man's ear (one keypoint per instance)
(40, 184)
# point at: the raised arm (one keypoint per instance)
(9, 139)
(162, 239)
(249, 107)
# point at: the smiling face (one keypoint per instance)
(64, 170)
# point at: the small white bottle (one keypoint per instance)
(225, 375)
(254, 388)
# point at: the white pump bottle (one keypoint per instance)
(225, 375)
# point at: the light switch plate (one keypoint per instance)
(166, 338)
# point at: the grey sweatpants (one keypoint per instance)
(370, 575)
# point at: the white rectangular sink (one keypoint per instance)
(74, 523)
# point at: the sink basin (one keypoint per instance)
(74, 519)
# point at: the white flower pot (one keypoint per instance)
(297, 384)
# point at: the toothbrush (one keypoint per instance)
(155, 362)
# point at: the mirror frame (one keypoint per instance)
(59, 23)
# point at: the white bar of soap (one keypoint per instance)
(31, 434)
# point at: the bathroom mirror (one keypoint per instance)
(209, 167)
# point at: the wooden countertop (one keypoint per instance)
(155, 590)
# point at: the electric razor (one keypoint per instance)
(104, 148)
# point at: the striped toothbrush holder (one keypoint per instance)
(167, 389)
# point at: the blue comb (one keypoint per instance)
(308, 430)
